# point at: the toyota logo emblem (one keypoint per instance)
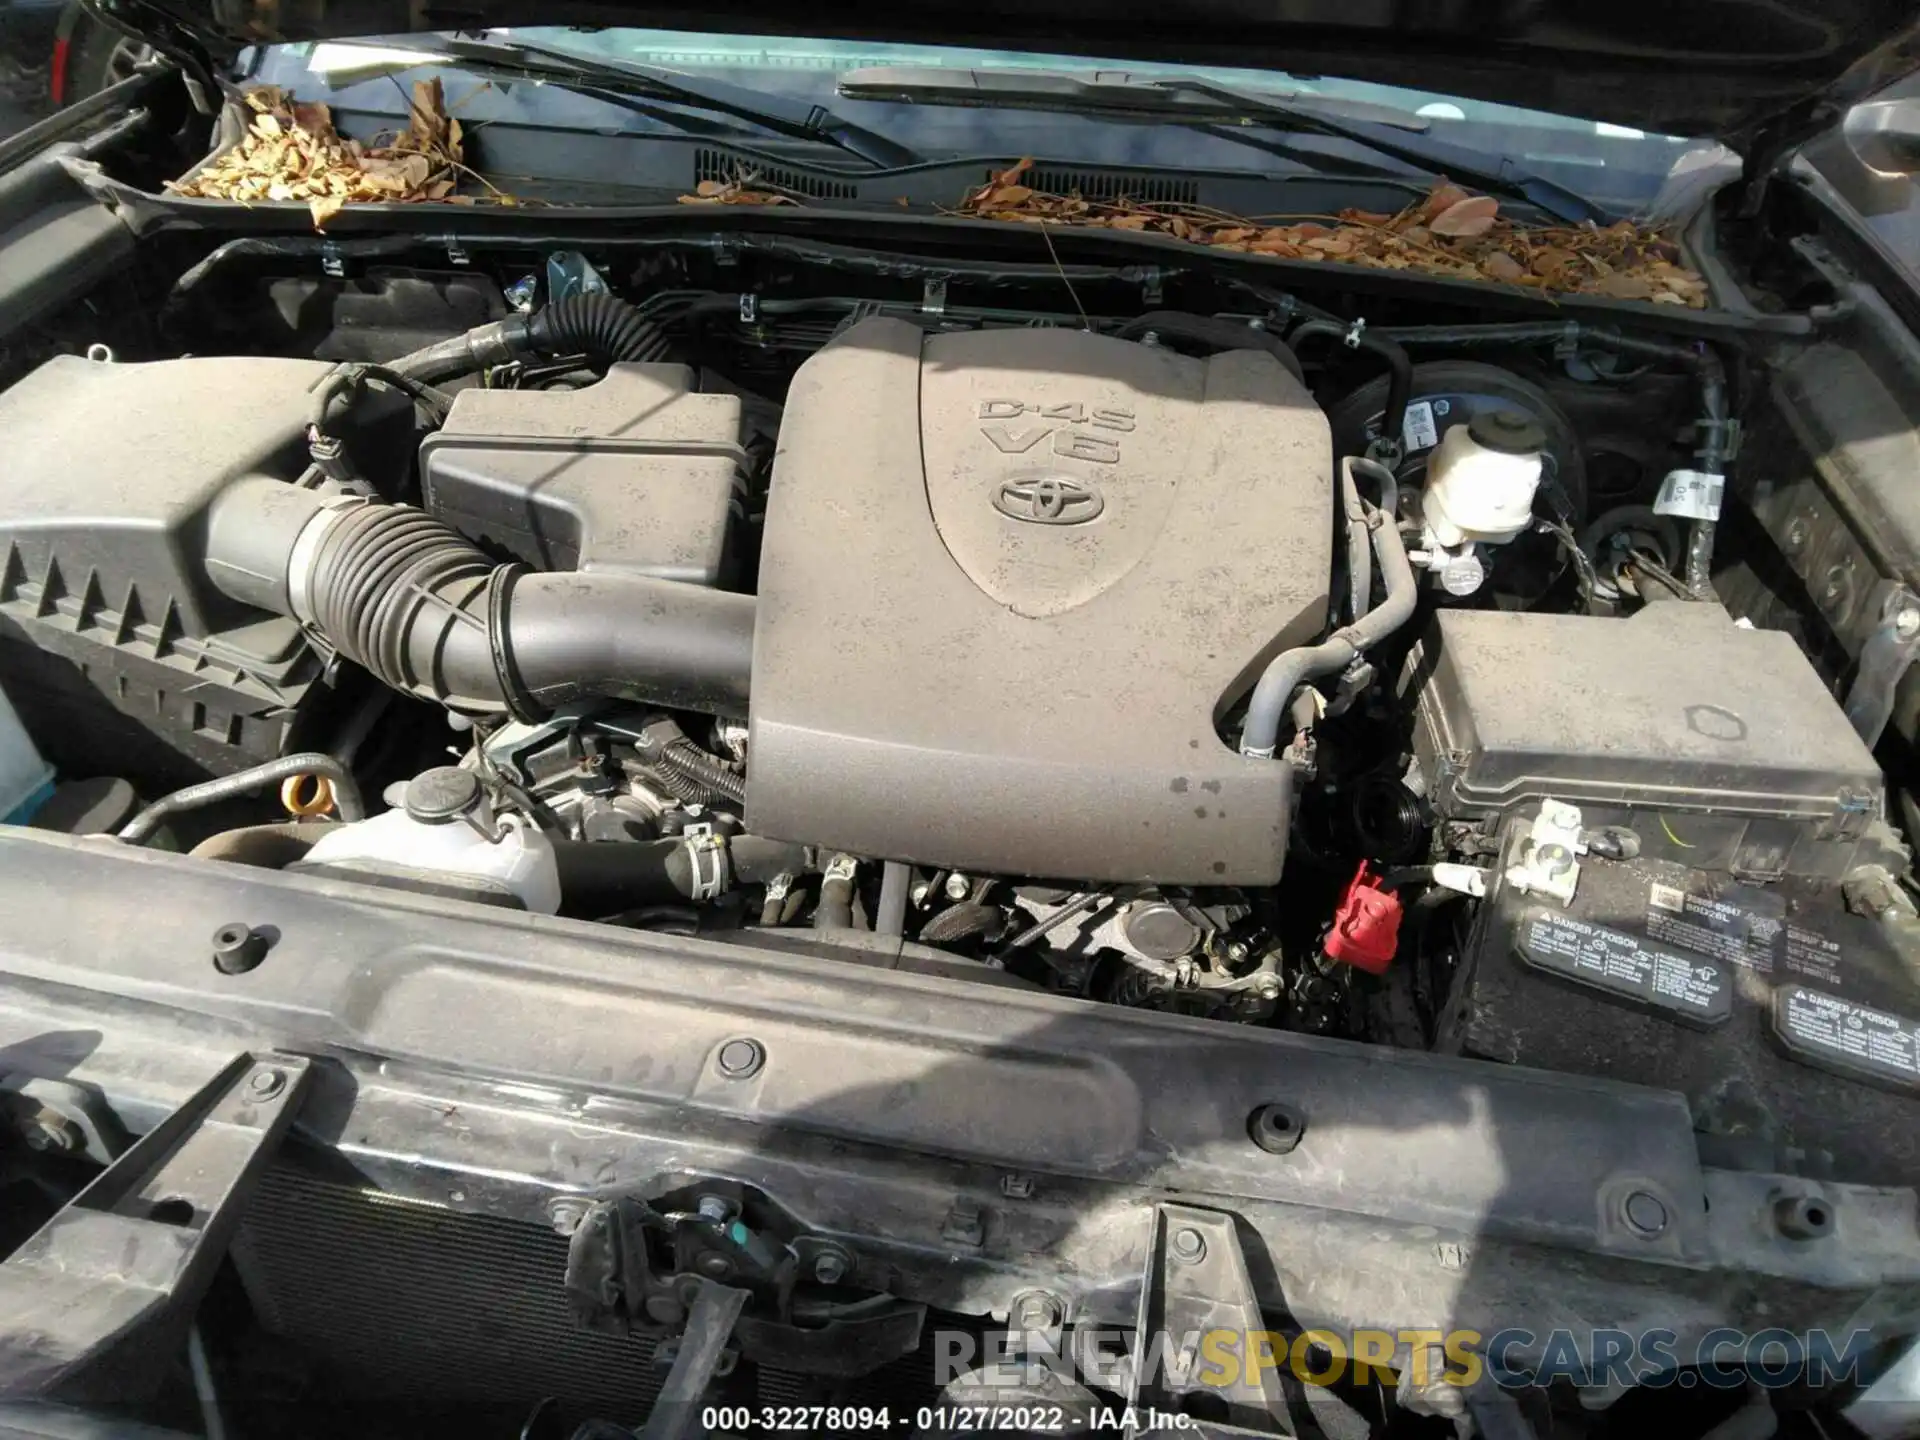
(1048, 500)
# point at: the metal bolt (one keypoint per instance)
(1236, 952)
(1037, 1311)
(1906, 622)
(1646, 1213)
(829, 1268)
(1189, 1246)
(714, 1267)
(1268, 987)
(742, 1059)
(958, 886)
(265, 1084)
(712, 1207)
(566, 1213)
(918, 894)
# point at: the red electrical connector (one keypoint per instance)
(1366, 927)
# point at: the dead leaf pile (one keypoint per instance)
(292, 152)
(734, 192)
(1450, 233)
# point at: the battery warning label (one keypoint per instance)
(1695, 991)
(1834, 1033)
(1746, 927)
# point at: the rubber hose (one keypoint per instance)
(835, 910)
(346, 793)
(1216, 331)
(1290, 669)
(266, 847)
(603, 877)
(604, 328)
(1399, 366)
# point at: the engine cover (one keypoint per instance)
(1008, 582)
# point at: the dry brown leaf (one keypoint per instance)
(1466, 218)
(1502, 266)
(324, 208)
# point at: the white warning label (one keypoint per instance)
(1419, 431)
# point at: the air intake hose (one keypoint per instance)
(394, 590)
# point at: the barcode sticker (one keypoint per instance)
(1419, 432)
(1690, 495)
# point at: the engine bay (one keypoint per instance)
(1157, 641)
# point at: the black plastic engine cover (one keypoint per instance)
(1011, 579)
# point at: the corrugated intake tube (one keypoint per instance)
(417, 605)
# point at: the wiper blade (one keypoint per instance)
(1183, 100)
(799, 119)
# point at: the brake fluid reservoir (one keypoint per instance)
(446, 840)
(1481, 479)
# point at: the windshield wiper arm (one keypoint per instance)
(1182, 100)
(800, 119)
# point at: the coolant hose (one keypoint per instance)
(428, 613)
(346, 794)
(1290, 669)
(607, 876)
(604, 328)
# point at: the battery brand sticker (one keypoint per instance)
(1696, 991)
(1419, 432)
(1745, 927)
(1834, 1033)
(1690, 495)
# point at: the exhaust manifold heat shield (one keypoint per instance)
(1009, 581)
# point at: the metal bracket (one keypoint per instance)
(136, 1249)
(749, 308)
(1196, 1281)
(457, 251)
(933, 298)
(1884, 659)
(333, 261)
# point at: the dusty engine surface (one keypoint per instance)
(1009, 582)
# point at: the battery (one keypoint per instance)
(1777, 1000)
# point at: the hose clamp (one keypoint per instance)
(1352, 338)
(306, 554)
(513, 690)
(708, 858)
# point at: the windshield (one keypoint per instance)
(1616, 166)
